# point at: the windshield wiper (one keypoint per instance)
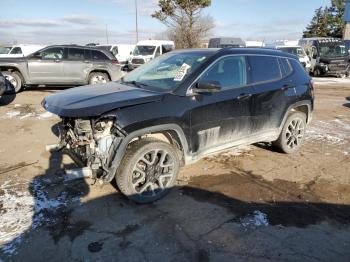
(136, 83)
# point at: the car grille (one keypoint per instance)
(138, 61)
(337, 67)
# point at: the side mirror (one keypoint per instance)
(206, 87)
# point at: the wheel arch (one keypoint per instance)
(301, 106)
(11, 69)
(171, 133)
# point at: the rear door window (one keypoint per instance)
(264, 68)
(75, 54)
(87, 54)
(230, 72)
(98, 55)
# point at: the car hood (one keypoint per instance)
(87, 101)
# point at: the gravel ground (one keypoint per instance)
(247, 204)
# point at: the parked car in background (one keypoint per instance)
(120, 51)
(225, 42)
(255, 44)
(22, 50)
(4, 50)
(68, 65)
(328, 56)
(2, 84)
(299, 52)
(179, 108)
(147, 50)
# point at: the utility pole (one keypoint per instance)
(107, 34)
(137, 27)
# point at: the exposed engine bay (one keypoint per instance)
(90, 143)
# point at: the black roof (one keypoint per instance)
(235, 50)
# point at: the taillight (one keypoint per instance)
(115, 62)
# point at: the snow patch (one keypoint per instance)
(22, 210)
(335, 131)
(13, 114)
(257, 219)
(45, 115)
(24, 115)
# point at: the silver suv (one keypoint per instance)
(68, 65)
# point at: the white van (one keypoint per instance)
(255, 44)
(22, 50)
(299, 52)
(147, 50)
(120, 51)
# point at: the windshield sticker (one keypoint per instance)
(180, 74)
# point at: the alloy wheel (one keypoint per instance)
(295, 133)
(153, 173)
(12, 80)
(99, 79)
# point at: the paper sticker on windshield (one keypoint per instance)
(180, 74)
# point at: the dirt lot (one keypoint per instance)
(249, 204)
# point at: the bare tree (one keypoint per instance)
(187, 27)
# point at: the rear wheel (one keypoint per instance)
(98, 78)
(14, 78)
(292, 134)
(148, 170)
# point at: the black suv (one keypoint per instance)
(179, 108)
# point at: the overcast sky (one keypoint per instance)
(85, 21)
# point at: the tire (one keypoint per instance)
(292, 134)
(316, 73)
(15, 81)
(144, 182)
(98, 78)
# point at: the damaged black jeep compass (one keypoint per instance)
(181, 107)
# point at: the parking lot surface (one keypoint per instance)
(248, 204)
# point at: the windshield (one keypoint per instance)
(167, 72)
(333, 50)
(4, 49)
(144, 50)
(298, 51)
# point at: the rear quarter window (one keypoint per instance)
(98, 55)
(264, 68)
(286, 68)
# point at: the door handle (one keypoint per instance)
(287, 86)
(57, 61)
(244, 96)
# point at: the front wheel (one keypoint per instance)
(14, 79)
(148, 170)
(292, 134)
